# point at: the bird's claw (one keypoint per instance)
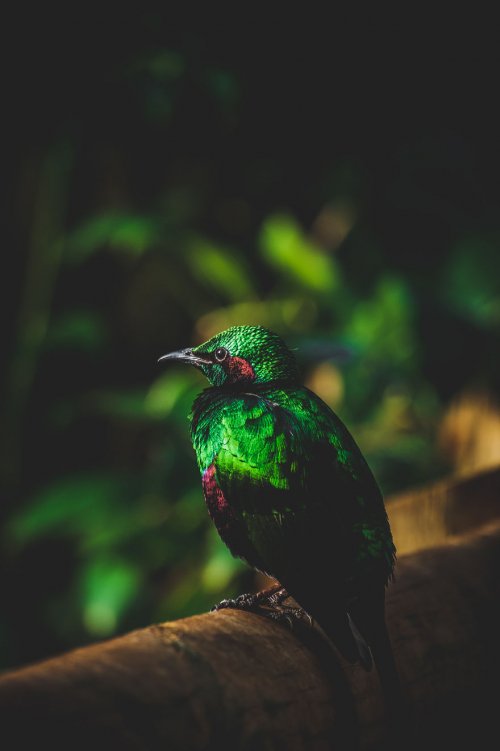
(269, 604)
(277, 597)
(289, 615)
(255, 601)
(242, 602)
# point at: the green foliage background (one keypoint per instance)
(162, 186)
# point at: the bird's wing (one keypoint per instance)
(294, 475)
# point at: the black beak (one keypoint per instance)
(186, 355)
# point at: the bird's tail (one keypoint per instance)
(368, 616)
(364, 653)
(342, 630)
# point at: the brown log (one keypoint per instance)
(236, 680)
(434, 514)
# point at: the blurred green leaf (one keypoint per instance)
(471, 281)
(69, 506)
(219, 569)
(80, 329)
(124, 232)
(189, 513)
(284, 246)
(123, 404)
(168, 392)
(382, 327)
(99, 512)
(221, 269)
(163, 64)
(224, 86)
(109, 586)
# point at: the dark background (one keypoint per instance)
(335, 180)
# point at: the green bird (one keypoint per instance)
(290, 492)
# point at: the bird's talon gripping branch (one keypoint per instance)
(225, 604)
(242, 602)
(271, 597)
(289, 616)
(277, 597)
(309, 619)
(282, 618)
(220, 605)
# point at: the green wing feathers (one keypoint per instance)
(289, 467)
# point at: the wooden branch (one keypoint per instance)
(434, 514)
(236, 680)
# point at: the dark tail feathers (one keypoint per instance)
(341, 629)
(368, 615)
(364, 653)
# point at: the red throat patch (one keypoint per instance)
(239, 369)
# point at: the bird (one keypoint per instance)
(290, 492)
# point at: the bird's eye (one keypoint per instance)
(220, 354)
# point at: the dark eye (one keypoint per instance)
(220, 354)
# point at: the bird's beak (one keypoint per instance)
(186, 355)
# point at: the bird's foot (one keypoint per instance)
(289, 616)
(268, 603)
(243, 602)
(275, 597)
(268, 597)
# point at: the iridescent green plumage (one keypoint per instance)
(287, 486)
(284, 460)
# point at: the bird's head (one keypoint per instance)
(241, 355)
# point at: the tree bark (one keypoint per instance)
(431, 515)
(237, 680)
